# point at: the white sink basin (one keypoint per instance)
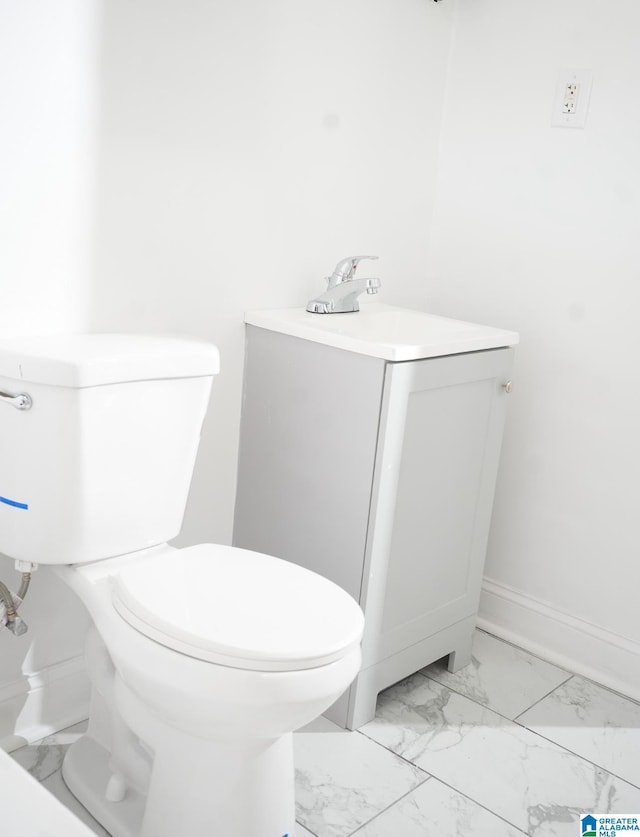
(385, 331)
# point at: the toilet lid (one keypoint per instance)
(238, 608)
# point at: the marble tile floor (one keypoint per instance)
(510, 745)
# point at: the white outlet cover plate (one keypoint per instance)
(584, 79)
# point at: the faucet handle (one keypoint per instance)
(345, 270)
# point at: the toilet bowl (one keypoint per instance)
(202, 660)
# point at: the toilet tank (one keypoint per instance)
(100, 463)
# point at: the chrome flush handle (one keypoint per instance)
(21, 401)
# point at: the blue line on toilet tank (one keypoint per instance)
(14, 503)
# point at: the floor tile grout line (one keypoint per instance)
(480, 805)
(609, 689)
(484, 705)
(570, 676)
(437, 779)
(511, 721)
(577, 755)
(500, 715)
(559, 667)
(314, 833)
(455, 691)
(477, 702)
(452, 787)
(523, 650)
(427, 777)
(515, 720)
(544, 697)
(397, 755)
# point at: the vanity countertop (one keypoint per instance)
(385, 331)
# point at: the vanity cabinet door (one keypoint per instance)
(434, 480)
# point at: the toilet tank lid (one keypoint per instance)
(88, 360)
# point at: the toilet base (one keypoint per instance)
(231, 790)
(86, 773)
(180, 746)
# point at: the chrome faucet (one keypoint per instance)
(343, 289)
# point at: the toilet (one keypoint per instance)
(203, 660)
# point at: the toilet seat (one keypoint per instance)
(238, 608)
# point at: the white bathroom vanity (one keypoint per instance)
(369, 448)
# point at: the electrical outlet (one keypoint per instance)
(571, 101)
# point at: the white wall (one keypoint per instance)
(47, 101)
(536, 229)
(244, 148)
(47, 55)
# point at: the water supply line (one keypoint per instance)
(12, 601)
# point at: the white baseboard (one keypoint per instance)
(572, 643)
(42, 703)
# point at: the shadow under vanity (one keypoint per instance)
(369, 449)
